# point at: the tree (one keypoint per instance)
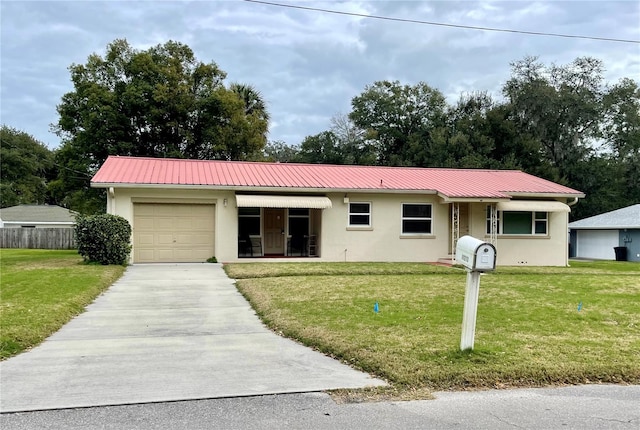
(159, 102)
(352, 141)
(25, 167)
(254, 103)
(470, 141)
(322, 148)
(71, 186)
(279, 151)
(401, 120)
(621, 130)
(601, 178)
(588, 133)
(560, 106)
(513, 149)
(343, 143)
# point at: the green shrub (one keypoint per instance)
(103, 239)
(212, 260)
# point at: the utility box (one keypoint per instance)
(475, 254)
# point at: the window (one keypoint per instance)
(248, 222)
(298, 222)
(516, 222)
(360, 214)
(540, 223)
(519, 222)
(416, 218)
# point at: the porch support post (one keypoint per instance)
(494, 224)
(455, 228)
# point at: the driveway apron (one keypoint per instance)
(166, 332)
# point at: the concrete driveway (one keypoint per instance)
(163, 333)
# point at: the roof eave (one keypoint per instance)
(472, 199)
(547, 195)
(253, 188)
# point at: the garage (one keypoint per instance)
(597, 244)
(173, 233)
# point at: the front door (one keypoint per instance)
(274, 231)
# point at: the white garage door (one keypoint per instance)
(597, 244)
(172, 233)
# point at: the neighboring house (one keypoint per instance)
(36, 216)
(190, 210)
(597, 236)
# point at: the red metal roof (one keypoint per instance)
(453, 183)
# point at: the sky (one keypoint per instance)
(308, 65)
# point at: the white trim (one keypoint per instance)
(403, 218)
(369, 214)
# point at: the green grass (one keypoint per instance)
(41, 290)
(529, 330)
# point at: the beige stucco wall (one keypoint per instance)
(226, 232)
(548, 250)
(337, 242)
(383, 241)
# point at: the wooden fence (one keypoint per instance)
(38, 238)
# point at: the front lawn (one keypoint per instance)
(535, 326)
(41, 290)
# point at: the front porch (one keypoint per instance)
(267, 232)
(296, 246)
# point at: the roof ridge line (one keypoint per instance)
(358, 166)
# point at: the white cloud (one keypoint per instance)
(308, 65)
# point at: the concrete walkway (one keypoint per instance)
(165, 333)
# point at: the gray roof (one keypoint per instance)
(37, 213)
(628, 217)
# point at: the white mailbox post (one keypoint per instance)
(477, 257)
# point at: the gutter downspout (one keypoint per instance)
(575, 200)
(112, 200)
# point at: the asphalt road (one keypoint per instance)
(580, 407)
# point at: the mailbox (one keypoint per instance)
(475, 254)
